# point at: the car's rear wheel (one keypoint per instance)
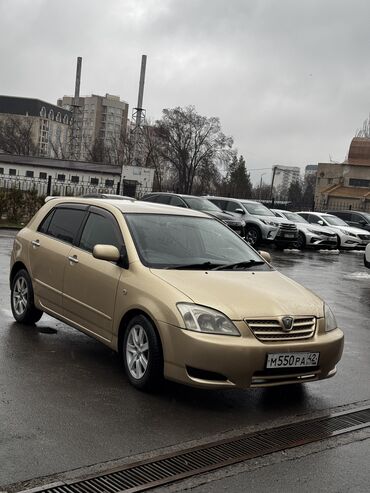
(142, 354)
(22, 299)
(253, 236)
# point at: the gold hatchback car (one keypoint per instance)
(175, 292)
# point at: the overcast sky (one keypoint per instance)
(289, 79)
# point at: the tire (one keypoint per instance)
(301, 241)
(144, 367)
(253, 236)
(22, 299)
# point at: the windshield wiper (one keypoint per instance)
(245, 263)
(200, 265)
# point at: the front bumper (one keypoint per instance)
(318, 241)
(211, 361)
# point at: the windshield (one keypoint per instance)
(200, 204)
(169, 241)
(257, 209)
(334, 221)
(295, 218)
(366, 216)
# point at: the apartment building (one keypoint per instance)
(283, 177)
(47, 125)
(98, 120)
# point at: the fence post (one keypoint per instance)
(48, 190)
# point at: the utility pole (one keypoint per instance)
(76, 114)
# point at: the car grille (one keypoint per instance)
(272, 330)
(287, 228)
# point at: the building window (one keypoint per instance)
(94, 181)
(43, 112)
(29, 174)
(65, 119)
(358, 182)
(12, 172)
(61, 177)
(51, 115)
(58, 118)
(1, 171)
(75, 179)
(109, 183)
(42, 175)
(330, 180)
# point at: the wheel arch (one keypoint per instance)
(126, 319)
(16, 268)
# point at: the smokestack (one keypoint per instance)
(141, 90)
(78, 81)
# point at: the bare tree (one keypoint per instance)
(365, 130)
(16, 136)
(190, 142)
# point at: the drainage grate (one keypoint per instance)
(168, 468)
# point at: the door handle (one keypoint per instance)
(36, 243)
(73, 259)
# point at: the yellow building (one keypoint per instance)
(345, 185)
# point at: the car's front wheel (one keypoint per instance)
(22, 300)
(142, 354)
(253, 236)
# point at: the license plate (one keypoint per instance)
(292, 360)
(289, 235)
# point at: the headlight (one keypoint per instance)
(202, 319)
(314, 231)
(330, 322)
(346, 232)
(270, 223)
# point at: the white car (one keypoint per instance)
(309, 235)
(367, 256)
(348, 236)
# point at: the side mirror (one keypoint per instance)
(321, 222)
(266, 256)
(106, 252)
(239, 211)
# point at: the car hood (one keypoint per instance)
(243, 294)
(224, 216)
(318, 229)
(352, 229)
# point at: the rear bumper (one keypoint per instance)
(211, 361)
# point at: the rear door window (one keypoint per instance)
(65, 223)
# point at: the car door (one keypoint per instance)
(48, 250)
(90, 284)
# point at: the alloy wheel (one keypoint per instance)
(137, 351)
(20, 296)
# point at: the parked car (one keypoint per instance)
(357, 219)
(174, 291)
(348, 236)
(367, 256)
(309, 235)
(198, 204)
(261, 223)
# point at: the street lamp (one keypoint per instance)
(260, 190)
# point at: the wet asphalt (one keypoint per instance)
(66, 403)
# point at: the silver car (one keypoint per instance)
(348, 236)
(261, 223)
(309, 235)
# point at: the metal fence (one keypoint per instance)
(21, 197)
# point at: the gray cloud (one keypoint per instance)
(289, 79)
